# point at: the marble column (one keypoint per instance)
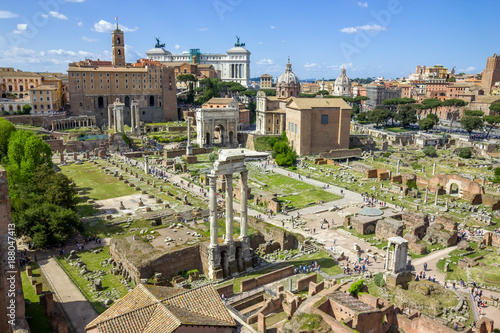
(436, 198)
(434, 169)
(397, 167)
(387, 256)
(229, 209)
(137, 114)
(132, 118)
(214, 256)
(244, 204)
(213, 209)
(146, 165)
(119, 117)
(189, 147)
(426, 194)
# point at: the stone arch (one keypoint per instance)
(454, 187)
(207, 138)
(221, 131)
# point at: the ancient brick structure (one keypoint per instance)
(388, 227)
(443, 231)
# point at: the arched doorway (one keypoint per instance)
(151, 101)
(224, 262)
(100, 102)
(454, 189)
(127, 101)
(220, 134)
(207, 139)
(231, 137)
(239, 259)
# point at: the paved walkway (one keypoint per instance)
(76, 306)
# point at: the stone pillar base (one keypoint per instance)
(247, 252)
(392, 280)
(233, 267)
(191, 159)
(214, 268)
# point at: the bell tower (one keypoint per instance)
(118, 47)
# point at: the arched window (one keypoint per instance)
(21, 95)
(100, 102)
(118, 41)
(127, 101)
(119, 52)
(151, 101)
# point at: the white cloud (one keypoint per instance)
(344, 65)
(5, 14)
(363, 4)
(177, 46)
(87, 39)
(260, 43)
(311, 66)
(265, 62)
(366, 27)
(21, 27)
(467, 70)
(105, 26)
(80, 24)
(131, 54)
(272, 27)
(57, 15)
(62, 52)
(203, 29)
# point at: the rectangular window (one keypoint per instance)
(295, 128)
(324, 119)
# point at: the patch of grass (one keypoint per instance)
(39, 321)
(95, 182)
(396, 129)
(309, 321)
(93, 260)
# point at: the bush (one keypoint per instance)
(356, 287)
(379, 279)
(465, 152)
(212, 157)
(126, 139)
(416, 166)
(430, 151)
(387, 154)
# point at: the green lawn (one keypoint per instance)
(34, 310)
(292, 191)
(92, 260)
(396, 129)
(489, 276)
(95, 182)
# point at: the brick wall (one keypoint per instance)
(315, 288)
(252, 283)
(422, 324)
(303, 283)
(226, 290)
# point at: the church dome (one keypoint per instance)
(288, 77)
(343, 80)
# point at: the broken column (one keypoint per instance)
(135, 107)
(110, 116)
(436, 198)
(189, 147)
(434, 169)
(118, 106)
(397, 168)
(426, 194)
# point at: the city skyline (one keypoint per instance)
(368, 38)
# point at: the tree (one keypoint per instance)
(378, 116)
(186, 78)
(456, 103)
(471, 123)
(6, 130)
(55, 187)
(361, 117)
(356, 287)
(47, 224)
(406, 115)
(323, 92)
(26, 109)
(426, 124)
(26, 152)
(465, 152)
(432, 104)
(430, 151)
(495, 107)
(491, 122)
(395, 103)
(269, 92)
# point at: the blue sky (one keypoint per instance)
(370, 38)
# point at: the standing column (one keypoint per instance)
(387, 257)
(132, 118)
(213, 210)
(243, 205)
(114, 120)
(434, 169)
(397, 168)
(426, 194)
(229, 209)
(137, 114)
(436, 199)
(189, 147)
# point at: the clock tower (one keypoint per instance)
(118, 47)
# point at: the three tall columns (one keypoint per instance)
(214, 253)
